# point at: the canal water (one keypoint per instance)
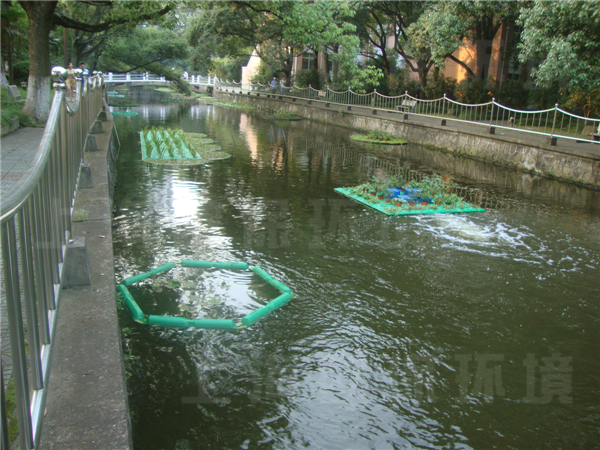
(463, 331)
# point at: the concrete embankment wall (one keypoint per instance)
(567, 164)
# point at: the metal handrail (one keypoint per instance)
(35, 228)
(554, 122)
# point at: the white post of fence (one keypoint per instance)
(127, 76)
(444, 110)
(110, 76)
(552, 138)
(492, 128)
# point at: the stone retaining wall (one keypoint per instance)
(553, 162)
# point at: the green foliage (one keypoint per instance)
(142, 46)
(265, 73)
(513, 94)
(12, 108)
(11, 407)
(283, 113)
(277, 30)
(586, 101)
(363, 81)
(150, 49)
(469, 91)
(544, 98)
(439, 86)
(14, 32)
(228, 68)
(379, 135)
(311, 77)
(562, 39)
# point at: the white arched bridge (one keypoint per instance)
(149, 79)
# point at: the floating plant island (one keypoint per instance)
(378, 137)
(174, 147)
(396, 197)
(283, 115)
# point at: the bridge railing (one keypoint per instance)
(150, 78)
(553, 122)
(35, 229)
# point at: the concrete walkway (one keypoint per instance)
(86, 405)
(86, 401)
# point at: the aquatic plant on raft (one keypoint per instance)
(378, 137)
(283, 115)
(395, 196)
(175, 147)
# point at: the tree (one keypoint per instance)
(14, 34)
(43, 15)
(395, 19)
(149, 49)
(562, 39)
(278, 31)
(450, 23)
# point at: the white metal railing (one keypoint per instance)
(554, 122)
(196, 80)
(35, 228)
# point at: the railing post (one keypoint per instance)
(552, 138)
(492, 129)
(16, 333)
(444, 110)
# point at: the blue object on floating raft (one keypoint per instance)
(258, 314)
(220, 324)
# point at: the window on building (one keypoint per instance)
(309, 61)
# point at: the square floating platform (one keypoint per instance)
(391, 210)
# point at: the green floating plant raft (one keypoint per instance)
(167, 146)
(406, 210)
(220, 324)
(124, 113)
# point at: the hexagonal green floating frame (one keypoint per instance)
(222, 324)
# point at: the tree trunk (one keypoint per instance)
(423, 71)
(10, 63)
(37, 105)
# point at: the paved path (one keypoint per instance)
(17, 151)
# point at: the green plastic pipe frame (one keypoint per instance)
(142, 276)
(131, 305)
(258, 314)
(180, 322)
(269, 279)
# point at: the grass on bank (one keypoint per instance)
(12, 108)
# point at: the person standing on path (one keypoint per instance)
(84, 74)
(71, 82)
(274, 85)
